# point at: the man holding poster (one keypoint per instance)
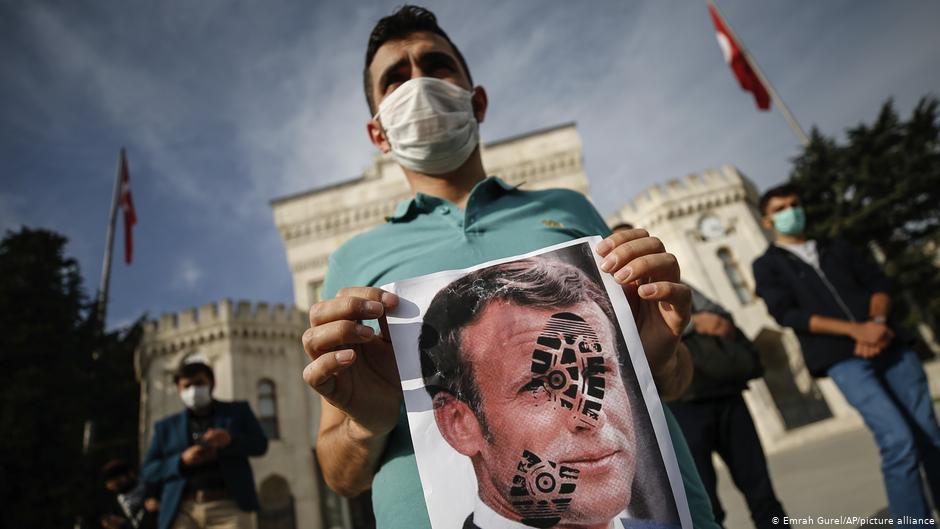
(530, 378)
(426, 112)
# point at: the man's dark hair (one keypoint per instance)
(785, 190)
(191, 369)
(114, 468)
(407, 20)
(535, 282)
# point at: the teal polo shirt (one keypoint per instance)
(427, 234)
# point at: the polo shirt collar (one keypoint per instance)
(492, 187)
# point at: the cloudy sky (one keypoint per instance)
(225, 104)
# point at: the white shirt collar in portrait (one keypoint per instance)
(486, 518)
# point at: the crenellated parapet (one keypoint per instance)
(690, 195)
(192, 328)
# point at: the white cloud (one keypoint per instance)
(188, 274)
(153, 111)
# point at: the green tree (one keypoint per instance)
(57, 370)
(880, 189)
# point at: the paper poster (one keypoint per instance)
(529, 398)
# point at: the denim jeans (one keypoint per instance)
(891, 393)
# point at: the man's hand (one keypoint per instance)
(112, 521)
(661, 305)
(152, 504)
(713, 325)
(352, 367)
(217, 437)
(871, 338)
(197, 455)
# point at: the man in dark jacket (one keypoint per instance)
(200, 457)
(714, 417)
(838, 303)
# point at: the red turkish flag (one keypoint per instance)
(738, 62)
(126, 202)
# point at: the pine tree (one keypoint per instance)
(57, 371)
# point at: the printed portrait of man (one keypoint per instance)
(524, 368)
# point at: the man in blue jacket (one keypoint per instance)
(839, 304)
(200, 457)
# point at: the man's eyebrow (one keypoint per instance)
(434, 57)
(389, 69)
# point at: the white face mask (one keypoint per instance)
(196, 397)
(430, 125)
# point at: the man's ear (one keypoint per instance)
(377, 136)
(480, 103)
(458, 424)
(767, 222)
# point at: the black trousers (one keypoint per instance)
(724, 425)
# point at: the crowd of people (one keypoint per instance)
(426, 112)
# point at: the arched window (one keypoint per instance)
(277, 504)
(267, 408)
(734, 276)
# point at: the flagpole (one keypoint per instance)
(784, 109)
(106, 266)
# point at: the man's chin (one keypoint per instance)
(598, 499)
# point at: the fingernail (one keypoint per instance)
(373, 308)
(364, 331)
(609, 263)
(345, 356)
(646, 290)
(389, 299)
(623, 274)
(603, 247)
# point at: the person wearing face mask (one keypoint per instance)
(134, 504)
(839, 305)
(425, 112)
(200, 457)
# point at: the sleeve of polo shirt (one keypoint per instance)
(700, 506)
(778, 297)
(595, 219)
(341, 274)
(336, 278)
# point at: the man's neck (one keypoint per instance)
(204, 411)
(454, 186)
(791, 239)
